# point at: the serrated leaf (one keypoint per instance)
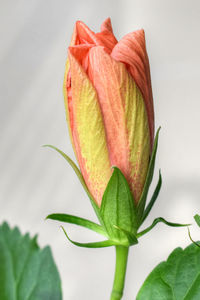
(117, 207)
(162, 220)
(80, 177)
(26, 271)
(142, 201)
(177, 278)
(153, 198)
(78, 221)
(197, 219)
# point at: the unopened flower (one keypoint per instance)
(109, 106)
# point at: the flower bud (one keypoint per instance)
(109, 106)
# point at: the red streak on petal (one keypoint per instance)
(131, 50)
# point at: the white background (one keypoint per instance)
(35, 181)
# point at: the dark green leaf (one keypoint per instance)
(148, 181)
(26, 271)
(197, 219)
(117, 208)
(153, 199)
(101, 244)
(158, 220)
(80, 177)
(78, 221)
(178, 278)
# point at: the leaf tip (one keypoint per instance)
(197, 219)
(47, 218)
(114, 167)
(47, 145)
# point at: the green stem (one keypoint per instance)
(120, 272)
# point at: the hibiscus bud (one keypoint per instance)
(109, 106)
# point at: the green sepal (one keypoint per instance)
(118, 209)
(197, 219)
(149, 177)
(191, 239)
(132, 240)
(153, 198)
(101, 244)
(80, 177)
(158, 220)
(78, 221)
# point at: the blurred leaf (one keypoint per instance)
(177, 278)
(117, 208)
(26, 271)
(197, 219)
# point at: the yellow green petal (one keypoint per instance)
(138, 137)
(88, 132)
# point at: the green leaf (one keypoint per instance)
(80, 177)
(153, 198)
(26, 271)
(78, 221)
(197, 219)
(101, 244)
(158, 220)
(117, 208)
(177, 278)
(142, 201)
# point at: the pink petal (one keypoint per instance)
(106, 36)
(124, 116)
(131, 50)
(83, 35)
(80, 52)
(106, 25)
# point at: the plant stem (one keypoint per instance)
(120, 272)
